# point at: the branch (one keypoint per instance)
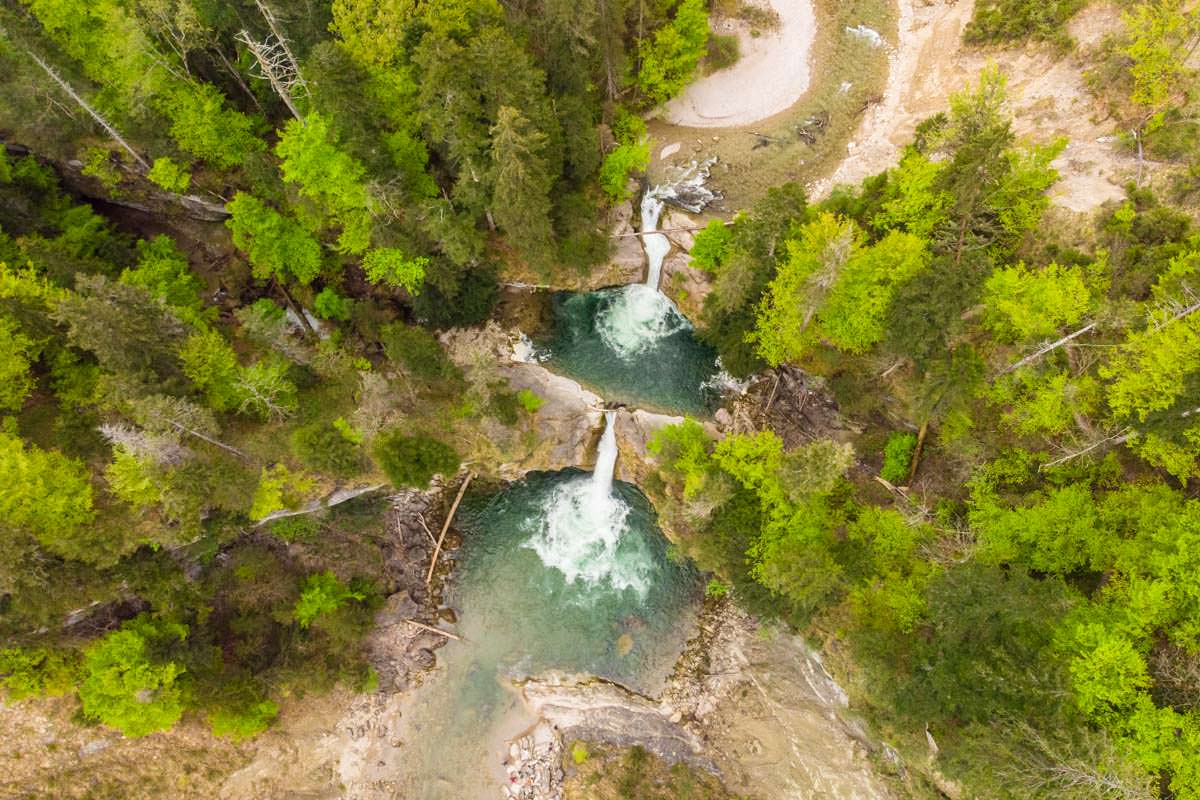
(210, 440)
(1052, 346)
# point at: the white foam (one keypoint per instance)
(635, 318)
(581, 531)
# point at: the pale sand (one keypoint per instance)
(771, 75)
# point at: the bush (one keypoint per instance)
(322, 594)
(997, 21)
(413, 460)
(417, 350)
(897, 457)
(711, 246)
(722, 53)
(331, 305)
(618, 165)
(170, 175)
(36, 672)
(529, 400)
(324, 448)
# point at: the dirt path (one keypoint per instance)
(1047, 94)
(771, 75)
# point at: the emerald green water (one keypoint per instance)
(632, 346)
(561, 570)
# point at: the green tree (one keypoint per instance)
(15, 381)
(328, 176)
(1023, 304)
(276, 245)
(522, 182)
(670, 60)
(129, 683)
(47, 495)
(393, 267)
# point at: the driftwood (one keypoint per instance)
(432, 629)
(437, 548)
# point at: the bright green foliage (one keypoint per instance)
(206, 129)
(15, 351)
(684, 449)
(163, 271)
(1024, 304)
(832, 288)
(670, 61)
(170, 175)
(330, 177)
(331, 305)
(892, 598)
(243, 722)
(264, 389)
(1159, 35)
(323, 448)
(1059, 534)
(36, 672)
(913, 199)
(99, 165)
(1045, 402)
(276, 245)
(414, 460)
(393, 267)
(1108, 673)
(322, 594)
(624, 160)
(530, 400)
(133, 480)
(279, 489)
(711, 245)
(45, 494)
(212, 365)
(1153, 377)
(128, 684)
(898, 456)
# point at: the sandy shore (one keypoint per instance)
(771, 75)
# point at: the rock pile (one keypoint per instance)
(534, 765)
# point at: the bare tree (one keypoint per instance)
(276, 62)
(93, 113)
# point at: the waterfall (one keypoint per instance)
(656, 245)
(580, 533)
(606, 459)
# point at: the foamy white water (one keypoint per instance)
(637, 317)
(581, 530)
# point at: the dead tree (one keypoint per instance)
(276, 62)
(93, 113)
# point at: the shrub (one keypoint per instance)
(392, 267)
(331, 305)
(27, 672)
(324, 448)
(279, 488)
(127, 683)
(711, 246)
(416, 349)
(322, 593)
(529, 400)
(1008, 20)
(170, 175)
(618, 165)
(723, 52)
(413, 460)
(897, 457)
